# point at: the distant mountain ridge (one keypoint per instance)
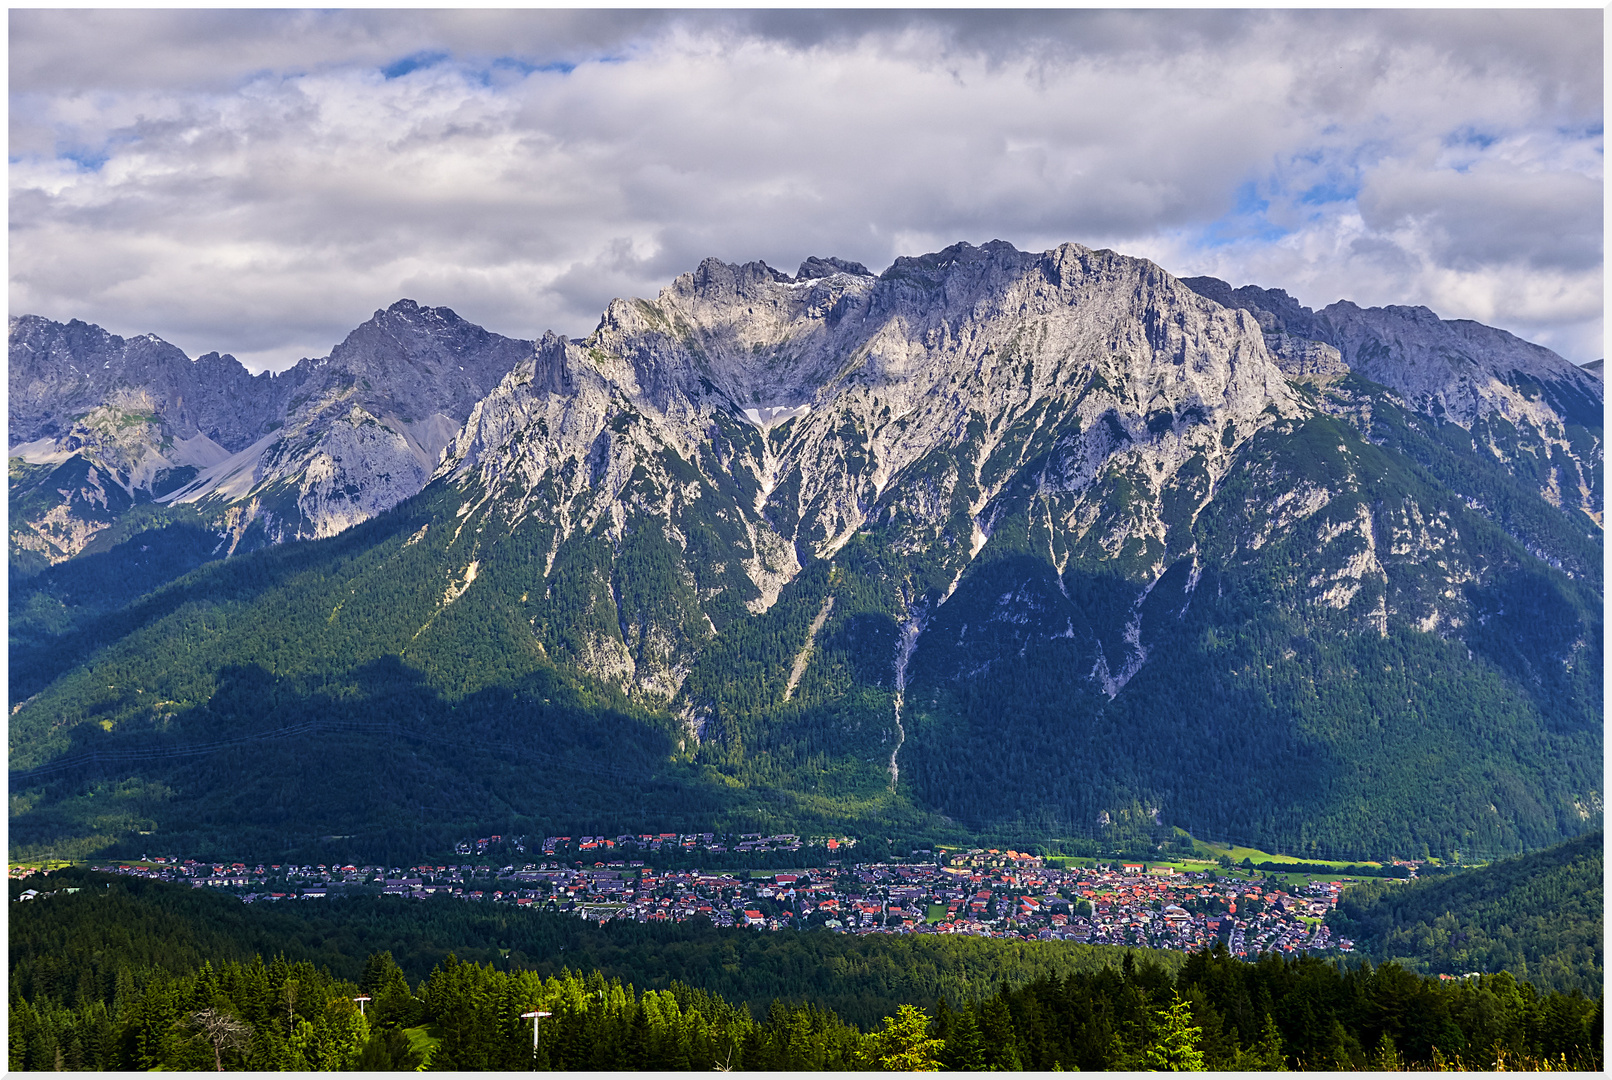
(110, 422)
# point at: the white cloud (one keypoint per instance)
(280, 190)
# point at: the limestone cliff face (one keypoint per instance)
(301, 454)
(799, 411)
(821, 394)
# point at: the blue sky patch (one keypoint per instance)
(505, 69)
(1247, 221)
(1248, 200)
(1471, 137)
(1330, 191)
(414, 62)
(86, 160)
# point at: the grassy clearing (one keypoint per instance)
(1255, 855)
(45, 865)
(1186, 866)
(936, 913)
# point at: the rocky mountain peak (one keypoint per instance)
(413, 323)
(924, 403)
(815, 267)
(409, 362)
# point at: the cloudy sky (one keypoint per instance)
(259, 182)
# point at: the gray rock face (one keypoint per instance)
(1520, 400)
(411, 362)
(802, 411)
(820, 268)
(60, 372)
(304, 453)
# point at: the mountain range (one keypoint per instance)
(992, 543)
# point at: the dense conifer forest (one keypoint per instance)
(142, 975)
(149, 923)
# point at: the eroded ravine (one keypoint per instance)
(905, 644)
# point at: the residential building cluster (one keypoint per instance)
(649, 843)
(994, 894)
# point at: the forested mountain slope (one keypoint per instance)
(1540, 916)
(992, 542)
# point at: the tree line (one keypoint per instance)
(1216, 1013)
(137, 975)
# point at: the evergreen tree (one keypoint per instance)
(903, 1045)
(1001, 1047)
(1175, 1046)
(964, 1050)
(388, 1050)
(1386, 1059)
(1268, 1055)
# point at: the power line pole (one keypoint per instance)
(535, 1018)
